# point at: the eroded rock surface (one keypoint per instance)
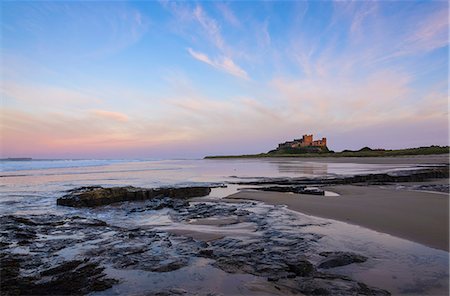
(30, 264)
(278, 254)
(419, 175)
(444, 188)
(98, 196)
(327, 284)
(336, 259)
(73, 253)
(294, 189)
(77, 277)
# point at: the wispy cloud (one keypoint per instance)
(47, 96)
(111, 115)
(431, 33)
(210, 26)
(198, 25)
(364, 11)
(228, 14)
(264, 36)
(374, 99)
(86, 29)
(224, 63)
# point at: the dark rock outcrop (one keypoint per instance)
(336, 259)
(328, 284)
(158, 203)
(76, 277)
(99, 196)
(299, 266)
(49, 273)
(294, 189)
(419, 175)
(275, 252)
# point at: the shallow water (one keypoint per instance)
(397, 265)
(31, 186)
(394, 264)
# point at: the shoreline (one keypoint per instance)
(417, 216)
(432, 159)
(412, 152)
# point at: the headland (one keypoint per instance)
(307, 147)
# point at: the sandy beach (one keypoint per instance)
(417, 216)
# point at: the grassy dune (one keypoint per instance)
(365, 152)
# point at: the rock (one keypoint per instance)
(293, 189)
(23, 220)
(276, 253)
(203, 210)
(171, 265)
(300, 266)
(11, 282)
(427, 187)
(328, 285)
(177, 291)
(234, 265)
(419, 175)
(48, 275)
(74, 277)
(99, 196)
(209, 253)
(158, 203)
(70, 278)
(335, 259)
(67, 266)
(170, 292)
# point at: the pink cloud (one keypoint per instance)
(225, 64)
(116, 116)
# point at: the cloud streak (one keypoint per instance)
(110, 115)
(224, 64)
(228, 15)
(210, 26)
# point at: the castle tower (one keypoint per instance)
(307, 140)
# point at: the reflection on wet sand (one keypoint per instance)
(306, 168)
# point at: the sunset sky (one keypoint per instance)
(188, 79)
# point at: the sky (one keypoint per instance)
(161, 79)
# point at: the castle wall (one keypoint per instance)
(320, 143)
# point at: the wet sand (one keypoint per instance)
(421, 217)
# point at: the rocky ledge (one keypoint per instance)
(419, 175)
(336, 259)
(294, 189)
(94, 196)
(74, 255)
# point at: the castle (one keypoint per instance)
(305, 141)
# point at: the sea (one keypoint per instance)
(31, 187)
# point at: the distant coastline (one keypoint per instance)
(16, 159)
(364, 152)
